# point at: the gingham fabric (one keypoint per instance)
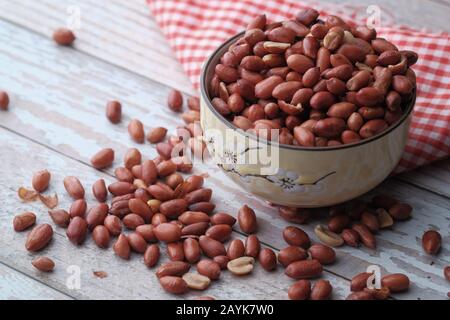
(195, 28)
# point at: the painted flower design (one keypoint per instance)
(211, 143)
(229, 157)
(285, 179)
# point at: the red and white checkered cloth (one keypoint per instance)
(195, 28)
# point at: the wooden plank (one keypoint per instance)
(434, 177)
(445, 2)
(47, 107)
(126, 280)
(399, 250)
(428, 14)
(120, 32)
(106, 30)
(17, 286)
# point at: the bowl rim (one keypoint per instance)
(205, 95)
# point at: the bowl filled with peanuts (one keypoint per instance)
(307, 112)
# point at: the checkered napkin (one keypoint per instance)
(195, 28)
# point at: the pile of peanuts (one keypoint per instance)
(177, 212)
(155, 204)
(321, 83)
(179, 215)
(351, 224)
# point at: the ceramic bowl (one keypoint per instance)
(299, 176)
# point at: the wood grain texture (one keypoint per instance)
(124, 34)
(119, 32)
(45, 83)
(420, 14)
(17, 286)
(126, 279)
(434, 177)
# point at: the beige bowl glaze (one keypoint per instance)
(307, 177)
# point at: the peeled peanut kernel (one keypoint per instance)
(154, 205)
(276, 47)
(384, 218)
(328, 237)
(196, 281)
(241, 266)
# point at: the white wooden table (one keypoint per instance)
(56, 121)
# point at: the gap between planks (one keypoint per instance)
(108, 42)
(21, 282)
